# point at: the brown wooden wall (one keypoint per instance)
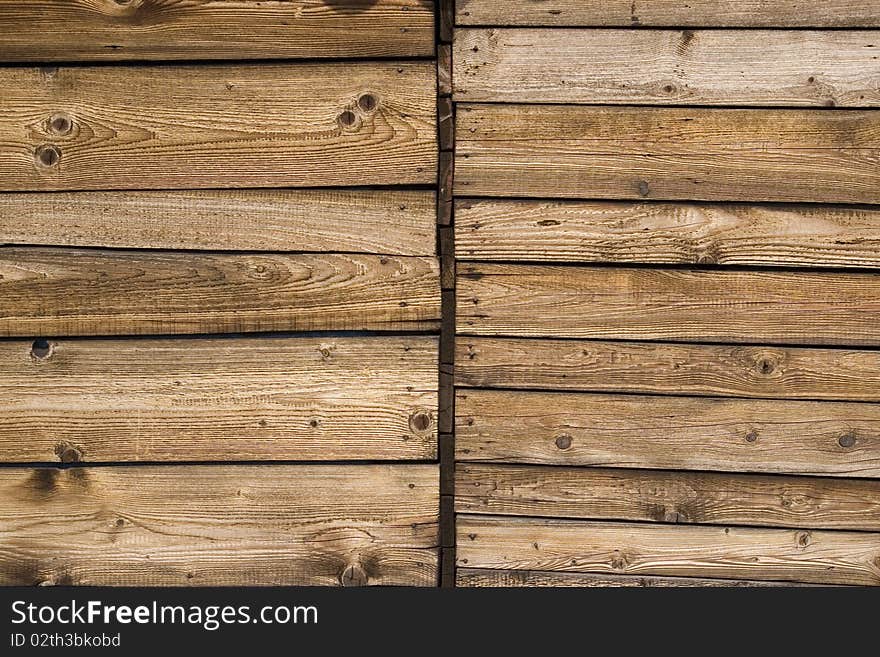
(219, 293)
(667, 292)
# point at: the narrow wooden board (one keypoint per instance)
(686, 13)
(668, 67)
(266, 125)
(482, 577)
(669, 433)
(667, 233)
(68, 30)
(360, 221)
(818, 557)
(570, 151)
(219, 525)
(669, 304)
(668, 368)
(671, 497)
(218, 399)
(46, 291)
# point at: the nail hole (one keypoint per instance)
(48, 155)
(367, 102)
(347, 119)
(41, 348)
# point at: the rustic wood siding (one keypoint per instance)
(220, 293)
(666, 292)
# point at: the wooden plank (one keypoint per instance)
(819, 557)
(671, 497)
(668, 368)
(569, 151)
(669, 304)
(212, 399)
(668, 233)
(482, 577)
(65, 30)
(669, 433)
(390, 221)
(668, 67)
(267, 125)
(219, 525)
(46, 291)
(672, 13)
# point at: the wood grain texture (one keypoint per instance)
(219, 525)
(217, 399)
(67, 30)
(668, 304)
(482, 577)
(267, 125)
(819, 557)
(668, 67)
(667, 368)
(671, 497)
(669, 433)
(689, 13)
(375, 221)
(667, 233)
(46, 291)
(569, 151)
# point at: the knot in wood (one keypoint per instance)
(367, 102)
(353, 575)
(47, 155)
(347, 119)
(68, 453)
(420, 421)
(847, 440)
(41, 349)
(60, 124)
(563, 441)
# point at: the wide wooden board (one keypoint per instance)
(390, 221)
(68, 30)
(819, 557)
(690, 13)
(45, 291)
(811, 308)
(676, 433)
(219, 525)
(668, 368)
(671, 497)
(667, 233)
(483, 577)
(266, 125)
(668, 67)
(219, 399)
(570, 151)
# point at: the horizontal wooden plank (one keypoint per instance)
(669, 433)
(691, 13)
(361, 221)
(669, 304)
(219, 525)
(46, 291)
(818, 557)
(671, 497)
(482, 577)
(65, 30)
(570, 151)
(668, 67)
(287, 399)
(668, 368)
(267, 125)
(667, 233)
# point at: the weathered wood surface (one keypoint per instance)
(671, 497)
(219, 525)
(45, 291)
(482, 577)
(668, 67)
(267, 125)
(668, 368)
(282, 399)
(389, 221)
(819, 557)
(669, 304)
(667, 233)
(570, 151)
(67, 30)
(671, 433)
(672, 13)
